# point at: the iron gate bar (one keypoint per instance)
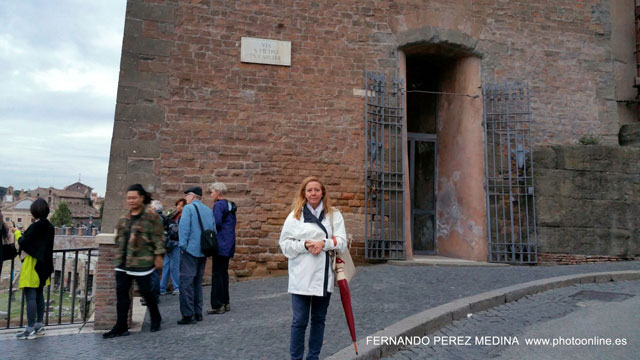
(384, 174)
(73, 286)
(509, 186)
(64, 258)
(86, 286)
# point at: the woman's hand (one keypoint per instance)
(314, 247)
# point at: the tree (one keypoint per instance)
(62, 216)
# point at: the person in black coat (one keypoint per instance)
(36, 242)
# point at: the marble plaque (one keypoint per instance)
(265, 51)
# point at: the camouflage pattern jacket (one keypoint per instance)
(142, 243)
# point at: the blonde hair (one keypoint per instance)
(299, 200)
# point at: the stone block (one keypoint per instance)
(146, 46)
(149, 11)
(143, 166)
(599, 158)
(588, 185)
(588, 241)
(124, 149)
(146, 113)
(630, 135)
(544, 157)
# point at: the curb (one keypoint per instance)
(432, 319)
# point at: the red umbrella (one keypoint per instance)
(345, 296)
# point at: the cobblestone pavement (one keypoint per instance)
(258, 325)
(502, 326)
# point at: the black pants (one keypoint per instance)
(219, 281)
(123, 287)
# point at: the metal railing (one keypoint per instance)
(61, 299)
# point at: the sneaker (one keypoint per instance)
(27, 335)
(176, 292)
(199, 317)
(220, 310)
(227, 307)
(187, 320)
(115, 333)
(163, 293)
(40, 331)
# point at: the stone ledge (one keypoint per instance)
(106, 239)
(432, 319)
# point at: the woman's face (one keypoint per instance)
(214, 195)
(180, 206)
(313, 193)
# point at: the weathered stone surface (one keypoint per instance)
(544, 157)
(611, 159)
(123, 149)
(588, 241)
(140, 113)
(589, 185)
(576, 212)
(143, 166)
(147, 11)
(630, 135)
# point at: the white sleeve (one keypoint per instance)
(290, 246)
(339, 232)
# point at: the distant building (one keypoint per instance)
(77, 196)
(18, 212)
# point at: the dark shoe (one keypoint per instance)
(187, 320)
(227, 307)
(115, 333)
(219, 310)
(198, 317)
(155, 327)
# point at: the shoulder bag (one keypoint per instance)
(208, 238)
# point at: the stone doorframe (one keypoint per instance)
(461, 207)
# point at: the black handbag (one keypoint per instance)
(208, 239)
(9, 251)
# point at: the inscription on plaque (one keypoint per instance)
(265, 51)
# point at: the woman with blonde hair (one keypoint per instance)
(312, 229)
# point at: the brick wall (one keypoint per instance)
(189, 112)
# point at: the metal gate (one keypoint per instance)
(384, 160)
(511, 215)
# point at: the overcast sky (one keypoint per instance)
(59, 64)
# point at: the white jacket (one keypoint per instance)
(307, 272)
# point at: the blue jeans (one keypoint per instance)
(302, 305)
(171, 267)
(191, 271)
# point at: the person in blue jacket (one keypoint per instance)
(224, 212)
(192, 260)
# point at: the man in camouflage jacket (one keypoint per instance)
(145, 240)
(140, 239)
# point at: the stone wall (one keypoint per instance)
(189, 112)
(587, 200)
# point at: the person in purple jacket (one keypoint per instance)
(224, 212)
